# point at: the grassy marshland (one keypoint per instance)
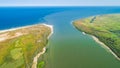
(21, 45)
(105, 27)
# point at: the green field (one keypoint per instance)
(18, 52)
(105, 27)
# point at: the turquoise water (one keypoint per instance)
(68, 47)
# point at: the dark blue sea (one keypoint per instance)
(11, 17)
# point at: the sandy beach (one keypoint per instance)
(5, 36)
(12, 29)
(51, 30)
(16, 28)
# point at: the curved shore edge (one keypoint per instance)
(21, 27)
(101, 43)
(105, 46)
(34, 64)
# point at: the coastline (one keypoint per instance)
(105, 46)
(35, 60)
(21, 27)
(101, 43)
(51, 27)
(83, 33)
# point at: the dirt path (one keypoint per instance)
(34, 65)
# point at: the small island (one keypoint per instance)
(105, 29)
(21, 47)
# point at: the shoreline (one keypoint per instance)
(22, 27)
(102, 44)
(35, 60)
(51, 27)
(105, 46)
(83, 33)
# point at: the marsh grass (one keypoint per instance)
(105, 27)
(18, 52)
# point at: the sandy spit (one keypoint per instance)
(34, 65)
(4, 37)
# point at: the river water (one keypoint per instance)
(69, 48)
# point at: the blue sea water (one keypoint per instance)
(68, 47)
(19, 16)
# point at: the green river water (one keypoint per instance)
(69, 48)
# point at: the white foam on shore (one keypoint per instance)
(51, 27)
(83, 33)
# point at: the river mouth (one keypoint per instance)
(70, 48)
(67, 47)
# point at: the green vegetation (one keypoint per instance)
(19, 51)
(41, 64)
(105, 27)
